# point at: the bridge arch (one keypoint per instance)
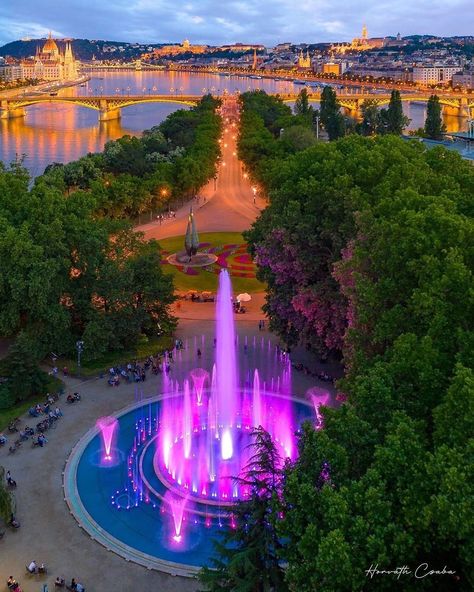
(109, 107)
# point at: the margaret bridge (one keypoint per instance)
(109, 107)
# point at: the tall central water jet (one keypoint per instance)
(226, 386)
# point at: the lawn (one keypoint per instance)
(231, 252)
(6, 415)
(143, 350)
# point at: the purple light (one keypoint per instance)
(318, 397)
(204, 424)
(199, 376)
(108, 427)
(177, 511)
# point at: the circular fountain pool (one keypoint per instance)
(125, 498)
(156, 483)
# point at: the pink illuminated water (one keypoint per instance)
(176, 505)
(318, 396)
(225, 364)
(199, 376)
(205, 433)
(107, 427)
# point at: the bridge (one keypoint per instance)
(109, 107)
(457, 103)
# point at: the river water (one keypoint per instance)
(62, 132)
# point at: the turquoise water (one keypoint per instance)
(141, 521)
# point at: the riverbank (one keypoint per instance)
(43, 87)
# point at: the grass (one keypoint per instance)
(141, 351)
(208, 280)
(6, 415)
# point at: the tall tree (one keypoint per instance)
(371, 117)
(392, 119)
(434, 127)
(331, 117)
(248, 556)
(303, 108)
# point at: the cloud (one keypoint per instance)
(218, 21)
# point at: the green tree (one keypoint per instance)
(393, 121)
(303, 108)
(6, 498)
(248, 556)
(434, 127)
(371, 117)
(297, 137)
(331, 117)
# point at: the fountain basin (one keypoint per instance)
(122, 504)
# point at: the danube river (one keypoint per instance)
(62, 132)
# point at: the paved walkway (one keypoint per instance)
(229, 205)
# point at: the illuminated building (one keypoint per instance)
(304, 61)
(50, 63)
(362, 43)
(174, 50)
(333, 68)
(425, 75)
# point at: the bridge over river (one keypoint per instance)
(109, 107)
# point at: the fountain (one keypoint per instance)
(318, 397)
(170, 470)
(108, 427)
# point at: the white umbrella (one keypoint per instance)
(244, 297)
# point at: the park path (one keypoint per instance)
(225, 205)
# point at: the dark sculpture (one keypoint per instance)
(191, 240)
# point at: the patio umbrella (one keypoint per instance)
(244, 297)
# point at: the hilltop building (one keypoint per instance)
(362, 43)
(50, 63)
(174, 50)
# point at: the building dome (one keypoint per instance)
(50, 46)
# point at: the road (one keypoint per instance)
(225, 205)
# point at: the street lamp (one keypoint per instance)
(317, 127)
(80, 349)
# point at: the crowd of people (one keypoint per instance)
(48, 412)
(34, 569)
(319, 374)
(137, 372)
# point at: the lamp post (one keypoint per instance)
(80, 349)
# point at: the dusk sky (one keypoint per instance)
(227, 21)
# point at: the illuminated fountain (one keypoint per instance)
(205, 434)
(318, 397)
(170, 469)
(108, 428)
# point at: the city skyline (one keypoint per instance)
(150, 21)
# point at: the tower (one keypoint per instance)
(254, 63)
(70, 69)
(364, 33)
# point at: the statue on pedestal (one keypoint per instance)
(191, 240)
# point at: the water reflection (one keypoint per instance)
(62, 132)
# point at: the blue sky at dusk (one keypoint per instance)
(226, 21)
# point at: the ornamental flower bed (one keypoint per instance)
(233, 257)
